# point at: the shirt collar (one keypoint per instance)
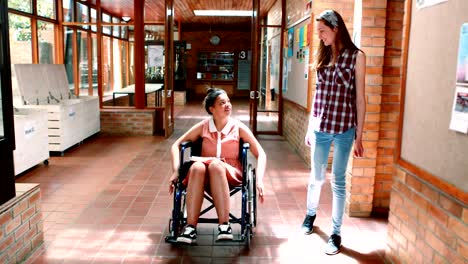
(226, 128)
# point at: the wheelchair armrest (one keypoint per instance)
(246, 146)
(185, 144)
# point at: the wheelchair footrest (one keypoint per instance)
(238, 238)
(171, 239)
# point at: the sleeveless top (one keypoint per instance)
(222, 144)
(335, 97)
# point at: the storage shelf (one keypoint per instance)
(215, 66)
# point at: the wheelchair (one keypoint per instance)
(248, 217)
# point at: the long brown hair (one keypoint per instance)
(342, 40)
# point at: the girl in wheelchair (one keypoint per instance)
(219, 167)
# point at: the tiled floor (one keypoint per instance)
(106, 201)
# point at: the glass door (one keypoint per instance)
(266, 95)
(169, 69)
(7, 140)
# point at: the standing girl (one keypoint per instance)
(338, 117)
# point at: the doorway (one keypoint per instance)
(266, 83)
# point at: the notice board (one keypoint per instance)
(427, 141)
(296, 64)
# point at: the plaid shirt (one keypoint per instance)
(335, 97)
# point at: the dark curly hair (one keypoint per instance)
(210, 98)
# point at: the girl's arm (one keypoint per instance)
(192, 134)
(360, 101)
(257, 150)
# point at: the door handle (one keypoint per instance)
(254, 94)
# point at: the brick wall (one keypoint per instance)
(296, 120)
(135, 122)
(425, 225)
(21, 226)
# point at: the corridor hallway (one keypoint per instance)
(107, 201)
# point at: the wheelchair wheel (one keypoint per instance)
(252, 196)
(248, 238)
(178, 216)
(252, 201)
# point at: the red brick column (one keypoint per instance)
(391, 89)
(361, 171)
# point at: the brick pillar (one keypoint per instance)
(390, 106)
(362, 171)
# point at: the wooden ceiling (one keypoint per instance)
(183, 9)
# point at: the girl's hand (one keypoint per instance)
(358, 148)
(260, 191)
(173, 181)
(307, 140)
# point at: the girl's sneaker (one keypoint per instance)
(225, 231)
(189, 235)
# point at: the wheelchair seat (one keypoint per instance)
(247, 219)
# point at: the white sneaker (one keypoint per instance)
(189, 235)
(225, 232)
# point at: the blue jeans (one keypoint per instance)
(320, 148)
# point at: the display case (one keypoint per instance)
(215, 66)
(154, 57)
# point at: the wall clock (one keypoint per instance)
(215, 39)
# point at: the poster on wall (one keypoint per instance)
(155, 56)
(459, 121)
(290, 42)
(426, 3)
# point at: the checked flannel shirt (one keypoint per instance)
(335, 97)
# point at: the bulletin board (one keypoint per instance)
(296, 64)
(427, 141)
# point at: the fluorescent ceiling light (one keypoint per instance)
(223, 12)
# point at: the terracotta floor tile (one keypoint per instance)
(106, 201)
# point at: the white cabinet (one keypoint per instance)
(31, 138)
(70, 120)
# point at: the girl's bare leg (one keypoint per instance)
(195, 191)
(219, 190)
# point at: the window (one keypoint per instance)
(93, 19)
(106, 29)
(106, 65)
(20, 44)
(82, 12)
(116, 29)
(46, 8)
(94, 63)
(124, 32)
(68, 56)
(20, 5)
(124, 52)
(82, 39)
(117, 65)
(67, 10)
(45, 34)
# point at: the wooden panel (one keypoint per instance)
(154, 10)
